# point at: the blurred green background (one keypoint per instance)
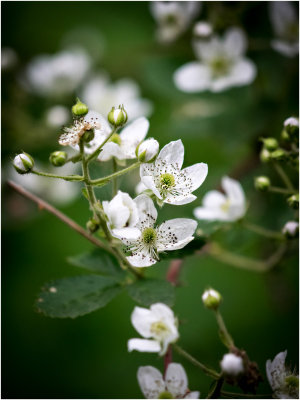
(87, 357)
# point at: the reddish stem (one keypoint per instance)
(173, 272)
(167, 359)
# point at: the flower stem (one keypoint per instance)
(98, 149)
(215, 390)
(70, 178)
(167, 359)
(263, 231)
(285, 179)
(223, 332)
(108, 178)
(210, 372)
(275, 189)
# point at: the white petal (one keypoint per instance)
(288, 49)
(234, 191)
(176, 233)
(143, 345)
(176, 380)
(213, 199)
(210, 214)
(162, 311)
(192, 395)
(136, 131)
(172, 153)
(140, 187)
(180, 200)
(146, 209)
(276, 370)
(235, 42)
(118, 214)
(141, 260)
(126, 234)
(243, 72)
(192, 77)
(148, 182)
(141, 319)
(110, 150)
(282, 15)
(197, 174)
(151, 382)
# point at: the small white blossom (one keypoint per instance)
(157, 325)
(147, 150)
(232, 364)
(174, 385)
(221, 64)
(291, 229)
(291, 121)
(173, 17)
(57, 116)
(173, 234)
(122, 215)
(283, 382)
(167, 181)
(284, 19)
(202, 29)
(220, 207)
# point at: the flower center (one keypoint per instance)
(149, 235)
(167, 181)
(165, 395)
(115, 138)
(225, 206)
(292, 381)
(219, 66)
(159, 329)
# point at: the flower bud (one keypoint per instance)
(293, 201)
(92, 226)
(285, 136)
(278, 155)
(265, 155)
(88, 135)
(23, 163)
(58, 158)
(147, 150)
(117, 116)
(291, 229)
(232, 365)
(79, 109)
(262, 183)
(202, 30)
(211, 299)
(291, 125)
(270, 143)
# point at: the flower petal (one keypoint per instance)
(172, 153)
(126, 234)
(149, 183)
(151, 382)
(162, 311)
(209, 214)
(192, 77)
(213, 199)
(176, 230)
(196, 174)
(143, 345)
(146, 210)
(136, 131)
(276, 370)
(234, 191)
(282, 15)
(176, 380)
(180, 200)
(141, 259)
(141, 319)
(192, 395)
(235, 42)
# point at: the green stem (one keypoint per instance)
(114, 181)
(244, 395)
(215, 390)
(280, 190)
(210, 372)
(263, 231)
(74, 159)
(224, 334)
(97, 151)
(70, 178)
(285, 179)
(108, 178)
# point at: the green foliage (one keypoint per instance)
(149, 291)
(76, 296)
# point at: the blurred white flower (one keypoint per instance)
(228, 207)
(173, 234)
(159, 324)
(291, 229)
(221, 64)
(9, 58)
(284, 19)
(283, 382)
(167, 181)
(174, 385)
(292, 122)
(173, 17)
(100, 94)
(57, 74)
(57, 116)
(232, 364)
(202, 29)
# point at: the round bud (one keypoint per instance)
(293, 201)
(232, 365)
(117, 116)
(211, 299)
(79, 109)
(23, 163)
(265, 155)
(92, 226)
(291, 229)
(262, 183)
(147, 150)
(58, 158)
(202, 30)
(291, 125)
(270, 143)
(88, 135)
(278, 155)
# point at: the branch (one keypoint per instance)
(172, 275)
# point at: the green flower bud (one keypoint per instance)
(88, 135)
(211, 299)
(265, 155)
(117, 116)
(79, 109)
(270, 143)
(92, 226)
(278, 155)
(293, 201)
(58, 158)
(262, 183)
(23, 163)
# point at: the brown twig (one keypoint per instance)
(167, 359)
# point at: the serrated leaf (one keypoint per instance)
(98, 260)
(76, 296)
(188, 250)
(149, 291)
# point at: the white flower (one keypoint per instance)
(173, 17)
(232, 364)
(291, 122)
(170, 235)
(100, 94)
(57, 74)
(221, 64)
(147, 150)
(284, 384)
(57, 116)
(159, 324)
(291, 229)
(122, 214)
(284, 19)
(202, 29)
(167, 181)
(174, 385)
(228, 207)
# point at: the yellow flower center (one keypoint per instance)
(149, 235)
(165, 395)
(225, 206)
(167, 181)
(219, 66)
(159, 329)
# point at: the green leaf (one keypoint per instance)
(188, 250)
(149, 291)
(98, 260)
(76, 296)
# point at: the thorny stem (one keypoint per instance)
(97, 151)
(224, 334)
(124, 171)
(263, 231)
(210, 372)
(70, 178)
(285, 179)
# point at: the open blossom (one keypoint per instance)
(173, 17)
(221, 64)
(158, 326)
(167, 181)
(283, 382)
(174, 385)
(122, 215)
(170, 235)
(230, 206)
(284, 19)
